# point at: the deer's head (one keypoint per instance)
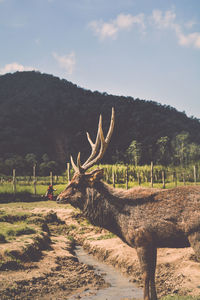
(81, 180)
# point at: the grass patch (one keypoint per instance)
(106, 236)
(180, 298)
(71, 238)
(82, 231)
(10, 231)
(31, 205)
(71, 227)
(102, 237)
(84, 222)
(7, 188)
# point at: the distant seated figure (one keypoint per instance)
(49, 193)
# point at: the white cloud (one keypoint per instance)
(13, 67)
(103, 30)
(121, 22)
(167, 21)
(66, 62)
(191, 39)
(126, 21)
(163, 20)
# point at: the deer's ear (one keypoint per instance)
(94, 176)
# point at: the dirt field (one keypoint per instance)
(55, 273)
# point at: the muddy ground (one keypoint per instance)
(50, 269)
(55, 272)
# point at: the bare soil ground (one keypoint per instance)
(53, 273)
(57, 274)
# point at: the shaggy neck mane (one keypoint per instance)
(133, 196)
(105, 206)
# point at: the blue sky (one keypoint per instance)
(148, 49)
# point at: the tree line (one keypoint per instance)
(24, 165)
(178, 151)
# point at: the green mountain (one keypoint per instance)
(40, 113)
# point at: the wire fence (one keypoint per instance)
(116, 175)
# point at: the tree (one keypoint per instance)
(43, 168)
(47, 167)
(53, 166)
(180, 146)
(2, 166)
(30, 160)
(193, 153)
(163, 150)
(134, 152)
(45, 158)
(15, 162)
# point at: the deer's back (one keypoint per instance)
(169, 216)
(178, 207)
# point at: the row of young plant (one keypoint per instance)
(118, 175)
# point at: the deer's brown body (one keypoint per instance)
(146, 219)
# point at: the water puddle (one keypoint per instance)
(120, 287)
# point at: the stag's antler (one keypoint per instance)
(93, 158)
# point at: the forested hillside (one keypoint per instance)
(47, 118)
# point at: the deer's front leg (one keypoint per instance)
(147, 256)
(152, 273)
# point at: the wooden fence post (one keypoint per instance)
(68, 173)
(34, 179)
(183, 178)
(51, 178)
(156, 176)
(113, 178)
(195, 174)
(139, 179)
(163, 179)
(14, 181)
(175, 179)
(127, 178)
(151, 174)
(106, 175)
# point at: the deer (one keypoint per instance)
(143, 218)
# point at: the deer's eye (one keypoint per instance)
(74, 188)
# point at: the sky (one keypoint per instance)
(147, 49)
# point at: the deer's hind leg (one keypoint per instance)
(194, 240)
(147, 255)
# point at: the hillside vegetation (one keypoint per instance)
(44, 119)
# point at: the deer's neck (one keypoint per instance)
(104, 209)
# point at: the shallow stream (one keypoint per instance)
(120, 288)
